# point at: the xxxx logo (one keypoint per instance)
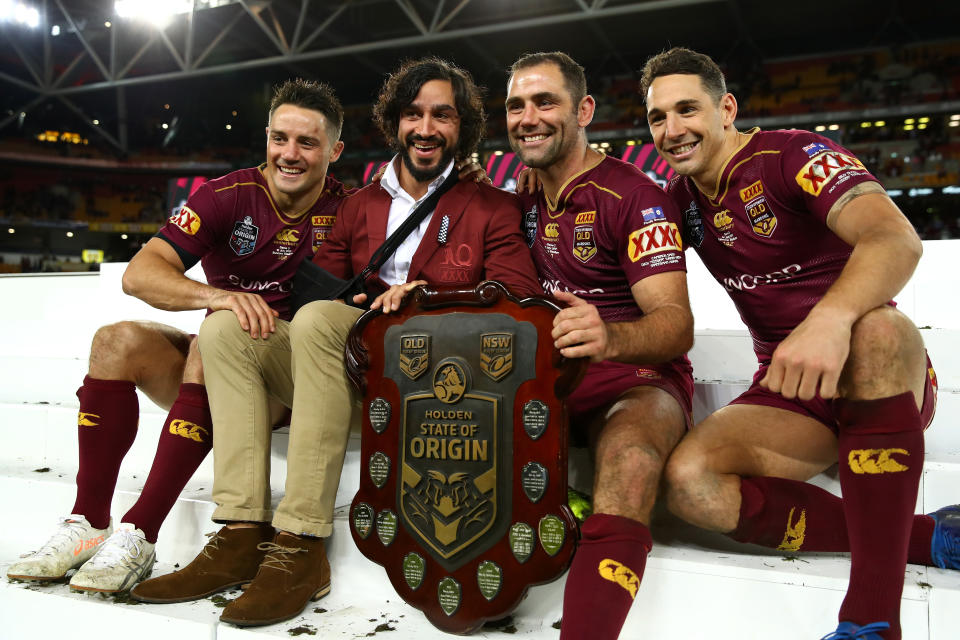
(874, 461)
(823, 168)
(620, 574)
(87, 419)
(187, 219)
(188, 430)
(795, 533)
(654, 238)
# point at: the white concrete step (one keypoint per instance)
(736, 591)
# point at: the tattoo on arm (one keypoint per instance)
(852, 193)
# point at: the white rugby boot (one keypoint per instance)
(122, 561)
(75, 542)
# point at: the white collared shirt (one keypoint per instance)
(397, 267)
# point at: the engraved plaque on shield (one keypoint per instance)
(489, 579)
(552, 534)
(386, 527)
(363, 519)
(448, 594)
(379, 468)
(379, 414)
(534, 478)
(413, 569)
(536, 417)
(521, 541)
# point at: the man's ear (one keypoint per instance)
(585, 110)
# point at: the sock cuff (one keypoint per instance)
(893, 414)
(96, 384)
(193, 394)
(605, 528)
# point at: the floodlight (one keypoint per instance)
(19, 13)
(156, 13)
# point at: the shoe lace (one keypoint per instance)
(278, 556)
(862, 632)
(122, 546)
(213, 544)
(68, 532)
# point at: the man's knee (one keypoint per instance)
(684, 470)
(118, 341)
(323, 320)
(218, 328)
(885, 348)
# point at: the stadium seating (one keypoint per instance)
(697, 585)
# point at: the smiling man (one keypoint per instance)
(843, 374)
(249, 229)
(431, 113)
(605, 241)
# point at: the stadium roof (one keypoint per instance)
(82, 60)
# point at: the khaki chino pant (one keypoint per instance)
(301, 365)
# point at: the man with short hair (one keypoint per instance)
(250, 229)
(431, 113)
(843, 374)
(605, 240)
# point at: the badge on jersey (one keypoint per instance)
(762, 220)
(187, 220)
(693, 225)
(530, 226)
(584, 242)
(824, 167)
(244, 237)
(321, 229)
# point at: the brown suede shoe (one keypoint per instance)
(294, 572)
(230, 558)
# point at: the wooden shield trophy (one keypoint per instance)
(463, 484)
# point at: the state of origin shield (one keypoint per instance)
(463, 486)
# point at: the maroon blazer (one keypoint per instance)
(484, 241)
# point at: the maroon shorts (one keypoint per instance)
(822, 410)
(606, 381)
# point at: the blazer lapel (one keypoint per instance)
(377, 213)
(452, 204)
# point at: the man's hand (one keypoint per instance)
(528, 180)
(471, 170)
(391, 299)
(255, 315)
(810, 359)
(578, 330)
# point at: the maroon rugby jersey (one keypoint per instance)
(763, 234)
(244, 241)
(610, 227)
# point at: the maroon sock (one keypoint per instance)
(106, 427)
(881, 459)
(604, 577)
(185, 439)
(798, 516)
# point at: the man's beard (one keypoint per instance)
(425, 174)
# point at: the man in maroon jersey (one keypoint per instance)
(606, 241)
(431, 112)
(811, 250)
(249, 229)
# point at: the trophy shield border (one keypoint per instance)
(541, 535)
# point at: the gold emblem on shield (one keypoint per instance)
(496, 354)
(449, 383)
(414, 355)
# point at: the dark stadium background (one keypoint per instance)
(101, 115)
